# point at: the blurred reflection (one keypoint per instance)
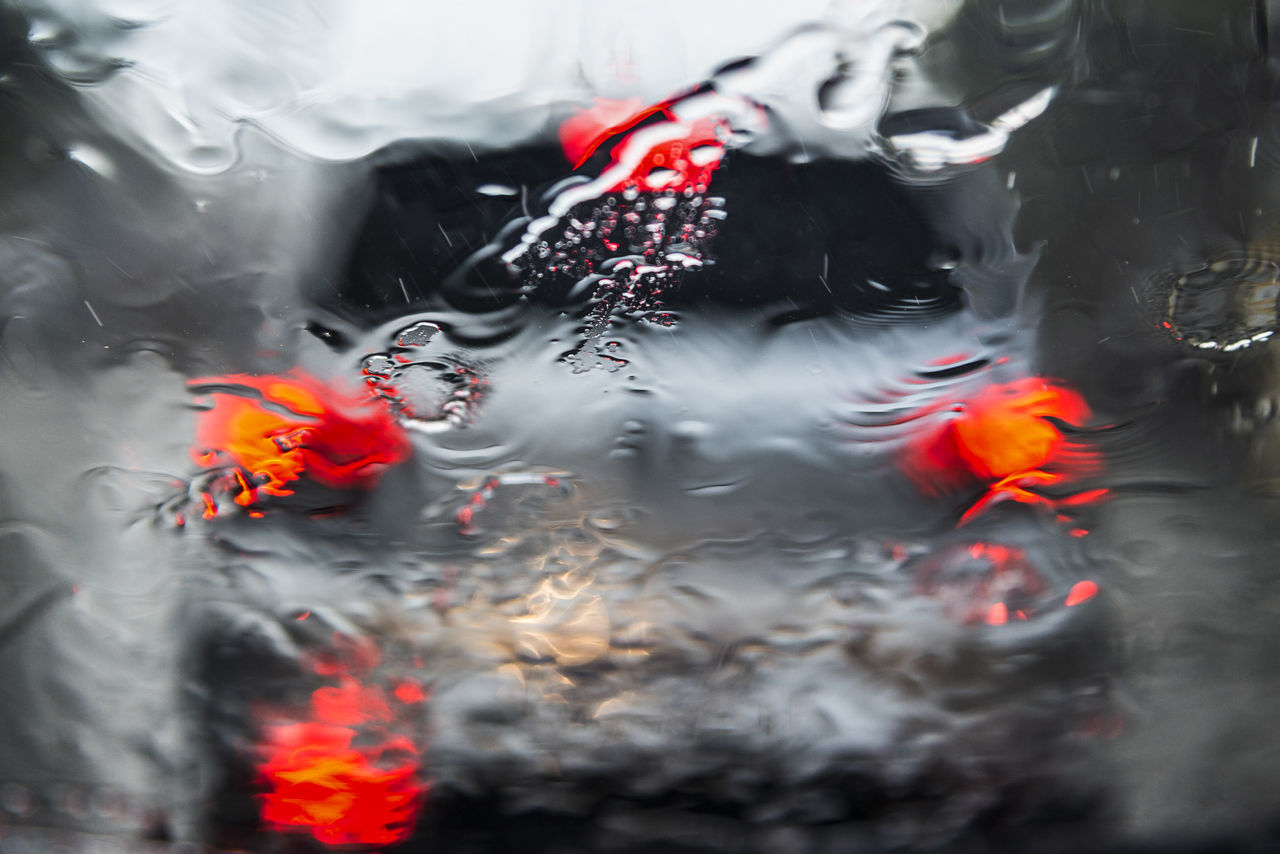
(828, 426)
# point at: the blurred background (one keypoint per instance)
(822, 426)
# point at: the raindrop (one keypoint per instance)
(417, 335)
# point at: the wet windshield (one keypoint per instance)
(809, 426)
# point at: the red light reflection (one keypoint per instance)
(667, 154)
(587, 129)
(1081, 591)
(277, 429)
(991, 583)
(982, 582)
(1004, 438)
(350, 773)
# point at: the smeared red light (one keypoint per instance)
(348, 703)
(673, 153)
(685, 157)
(247, 493)
(1013, 488)
(981, 582)
(345, 775)
(583, 132)
(998, 555)
(339, 793)
(1081, 591)
(1004, 429)
(1089, 496)
(210, 508)
(478, 500)
(277, 429)
(348, 655)
(303, 616)
(409, 692)
(1003, 437)
(946, 361)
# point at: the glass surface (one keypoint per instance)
(565, 427)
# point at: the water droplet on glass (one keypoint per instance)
(417, 335)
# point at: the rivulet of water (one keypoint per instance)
(832, 426)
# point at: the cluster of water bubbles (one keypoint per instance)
(624, 254)
(427, 390)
